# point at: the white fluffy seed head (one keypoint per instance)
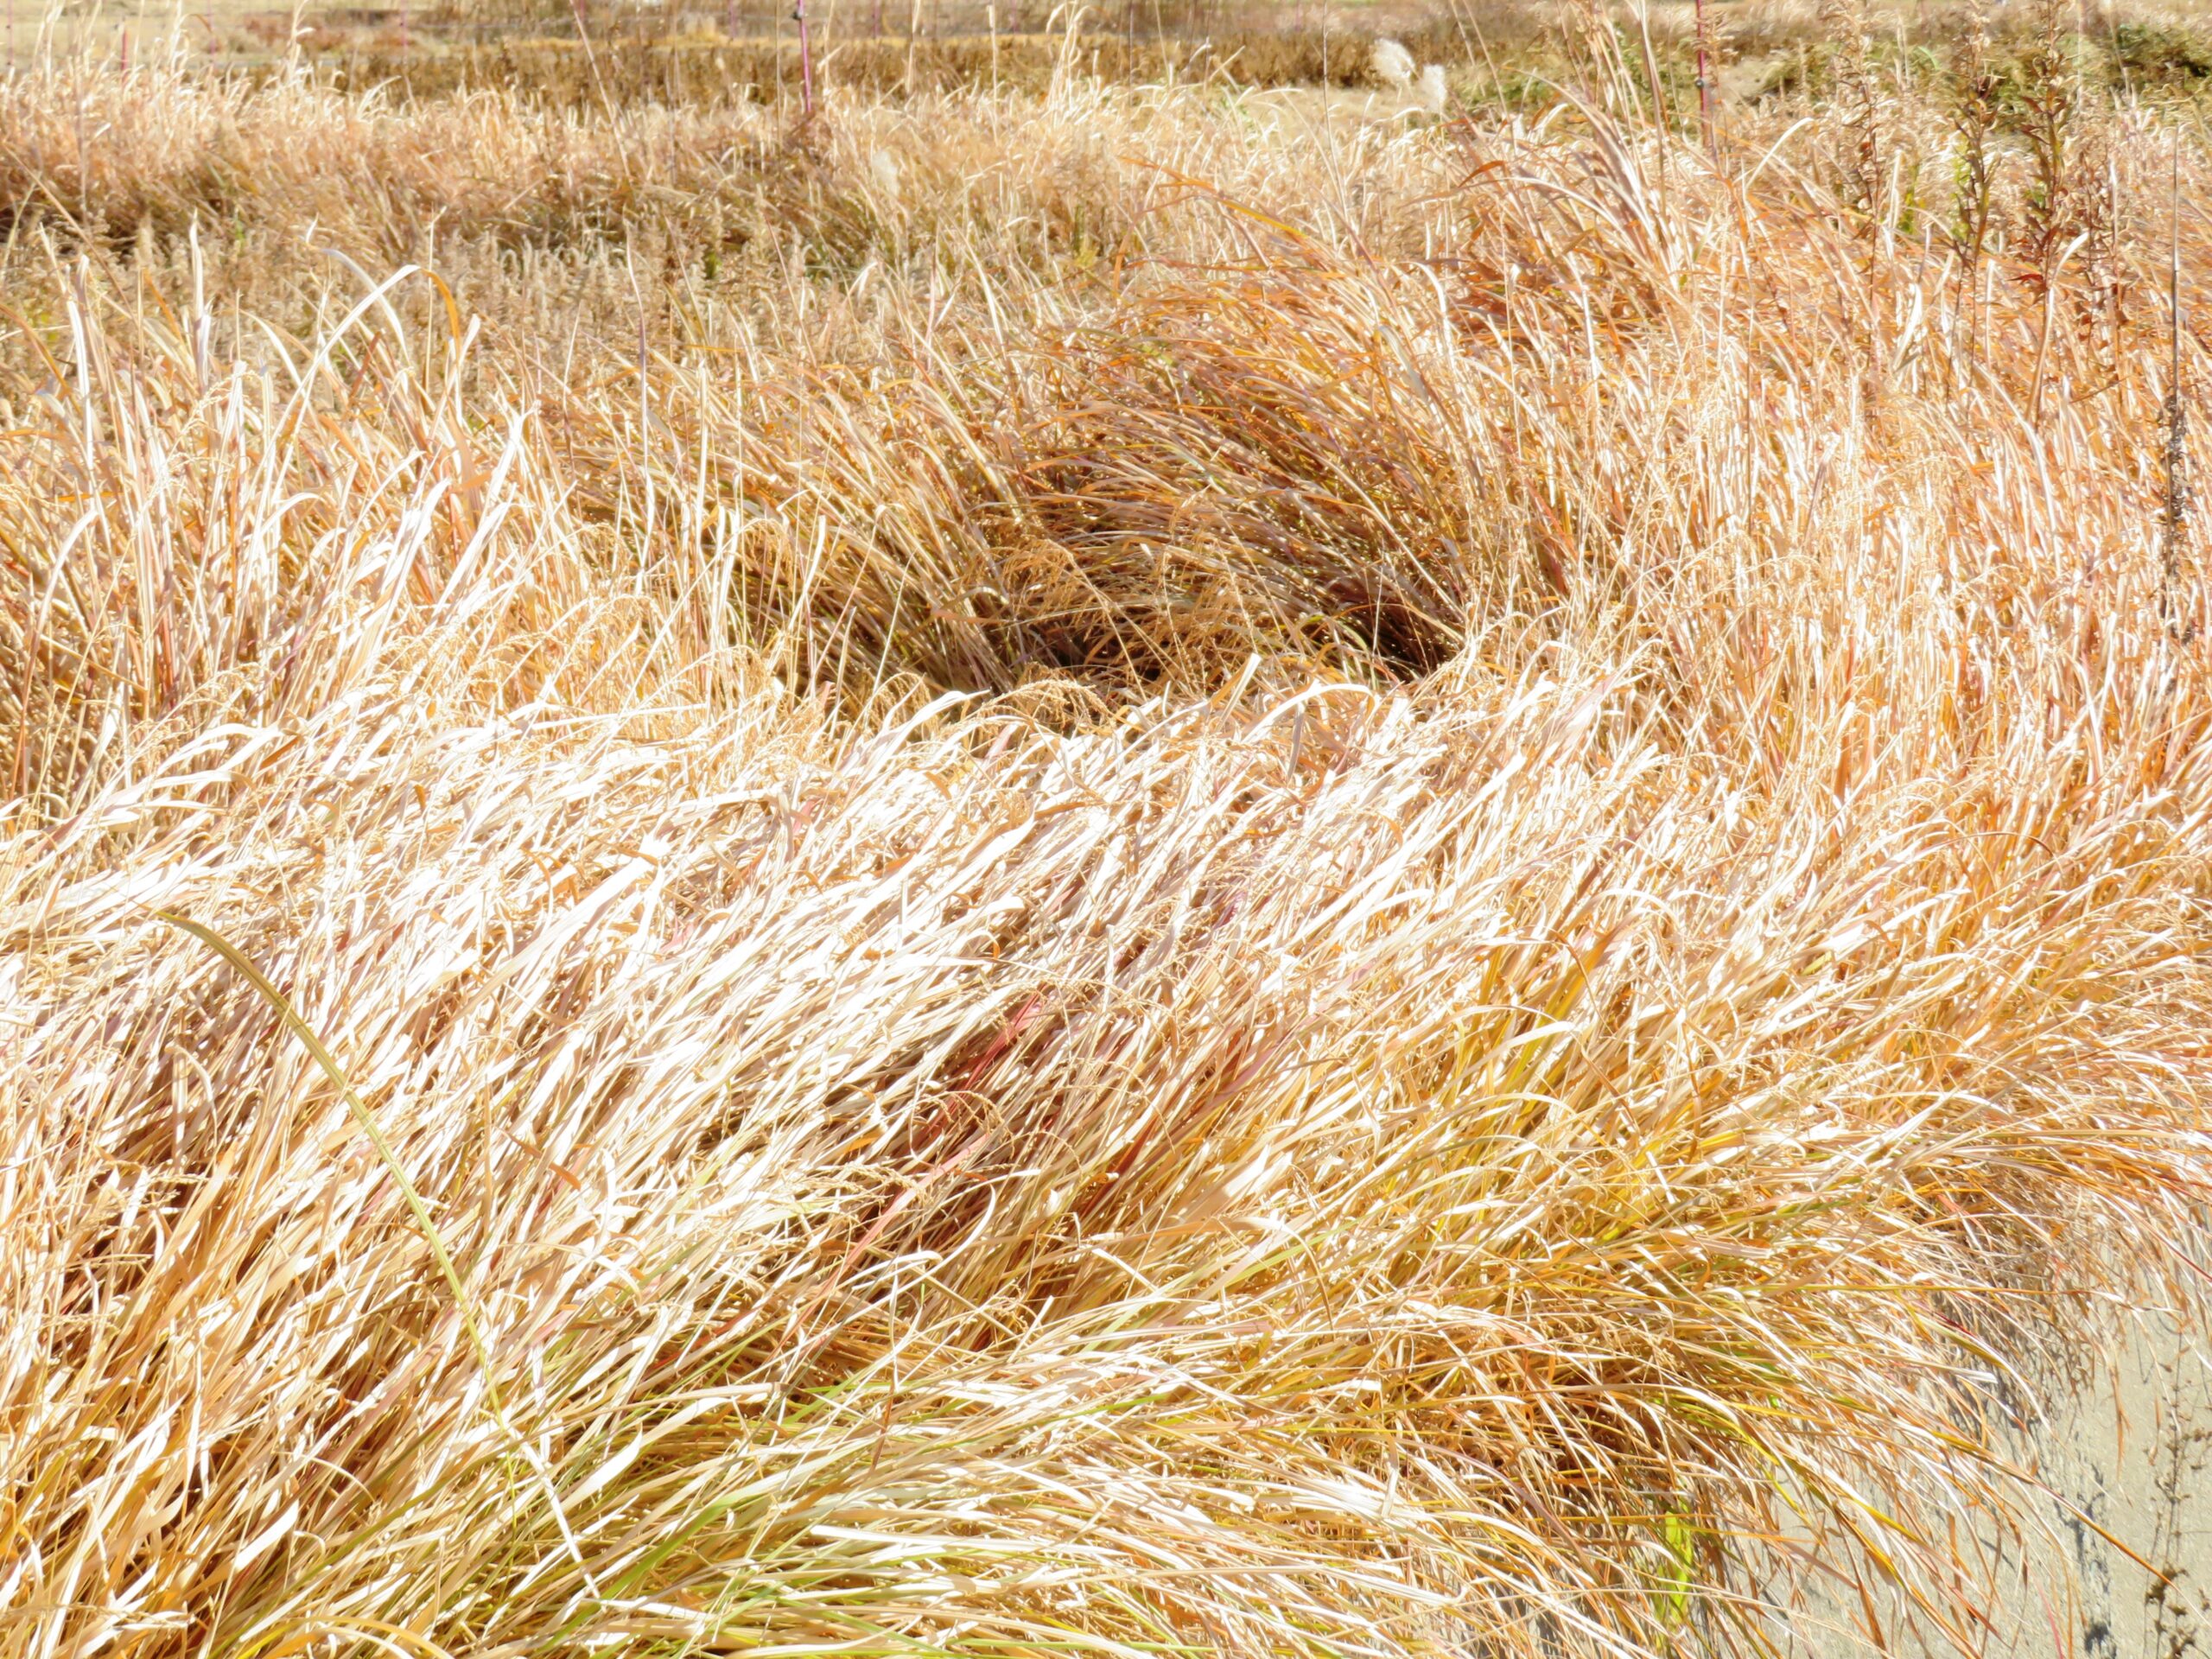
(1432, 89)
(883, 171)
(1394, 65)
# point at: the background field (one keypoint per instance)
(1103, 852)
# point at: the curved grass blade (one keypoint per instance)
(323, 1058)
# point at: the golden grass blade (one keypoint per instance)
(364, 1117)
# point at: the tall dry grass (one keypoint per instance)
(1092, 872)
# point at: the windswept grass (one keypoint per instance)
(1090, 872)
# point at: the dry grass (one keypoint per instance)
(1084, 871)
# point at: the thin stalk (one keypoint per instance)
(1705, 88)
(805, 63)
(2176, 511)
(1660, 115)
(591, 57)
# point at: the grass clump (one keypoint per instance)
(1118, 869)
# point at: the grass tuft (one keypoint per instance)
(1079, 869)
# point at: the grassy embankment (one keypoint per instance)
(1083, 869)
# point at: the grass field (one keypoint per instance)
(1061, 864)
